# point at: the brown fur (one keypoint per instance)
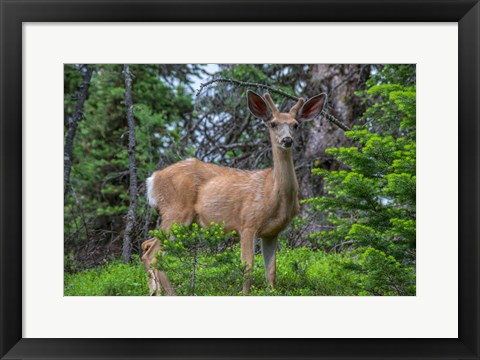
(254, 203)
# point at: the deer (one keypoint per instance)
(253, 203)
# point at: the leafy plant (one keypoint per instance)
(114, 279)
(189, 249)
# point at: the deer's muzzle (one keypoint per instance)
(287, 142)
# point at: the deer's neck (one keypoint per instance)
(281, 197)
(285, 185)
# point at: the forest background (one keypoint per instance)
(355, 234)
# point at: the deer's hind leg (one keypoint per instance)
(158, 279)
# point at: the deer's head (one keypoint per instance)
(283, 126)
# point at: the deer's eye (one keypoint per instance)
(273, 125)
(295, 126)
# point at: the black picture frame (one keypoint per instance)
(15, 12)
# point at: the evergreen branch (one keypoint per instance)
(328, 116)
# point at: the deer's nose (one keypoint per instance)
(287, 141)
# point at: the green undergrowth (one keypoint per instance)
(115, 278)
(300, 272)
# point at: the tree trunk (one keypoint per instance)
(340, 83)
(73, 123)
(127, 241)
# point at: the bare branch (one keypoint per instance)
(328, 116)
(246, 84)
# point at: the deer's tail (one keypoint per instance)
(150, 195)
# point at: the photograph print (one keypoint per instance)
(239, 180)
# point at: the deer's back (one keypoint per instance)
(177, 186)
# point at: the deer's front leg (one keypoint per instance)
(156, 278)
(269, 248)
(247, 248)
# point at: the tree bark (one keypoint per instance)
(73, 123)
(340, 82)
(131, 215)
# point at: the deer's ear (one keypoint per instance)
(257, 106)
(312, 108)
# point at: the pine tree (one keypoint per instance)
(370, 203)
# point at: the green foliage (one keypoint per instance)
(373, 202)
(114, 279)
(204, 261)
(391, 96)
(370, 201)
(184, 240)
(245, 71)
(386, 276)
(404, 74)
(199, 257)
(300, 272)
